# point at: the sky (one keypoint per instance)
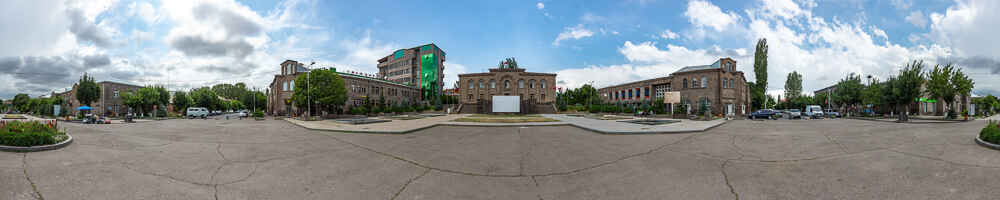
(183, 44)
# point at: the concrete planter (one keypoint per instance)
(987, 144)
(69, 140)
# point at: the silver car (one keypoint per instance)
(793, 114)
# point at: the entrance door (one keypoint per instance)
(729, 109)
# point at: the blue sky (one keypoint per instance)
(185, 44)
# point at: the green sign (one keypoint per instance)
(398, 54)
(925, 99)
(428, 76)
(426, 48)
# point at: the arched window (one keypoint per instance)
(520, 83)
(493, 84)
(724, 83)
(506, 83)
(685, 83)
(704, 82)
(291, 85)
(472, 84)
(482, 84)
(531, 83)
(543, 84)
(730, 83)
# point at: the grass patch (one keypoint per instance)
(26, 134)
(9, 116)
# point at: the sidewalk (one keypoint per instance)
(617, 127)
(599, 126)
(393, 127)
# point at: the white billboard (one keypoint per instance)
(506, 103)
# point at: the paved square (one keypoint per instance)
(273, 159)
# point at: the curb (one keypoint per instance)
(59, 145)
(912, 122)
(987, 144)
(516, 125)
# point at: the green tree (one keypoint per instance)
(872, 94)
(87, 91)
(822, 99)
(906, 86)
(182, 102)
(205, 97)
(20, 102)
(962, 83)
(323, 87)
(132, 100)
(849, 92)
(150, 97)
(939, 86)
(760, 70)
(793, 85)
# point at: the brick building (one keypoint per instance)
(110, 102)
(720, 84)
(421, 66)
(506, 80)
(359, 87)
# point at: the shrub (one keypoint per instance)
(258, 114)
(991, 133)
(17, 133)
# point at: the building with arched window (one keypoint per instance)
(508, 80)
(719, 84)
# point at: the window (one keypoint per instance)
(506, 84)
(291, 85)
(470, 96)
(471, 84)
(493, 84)
(116, 93)
(704, 82)
(730, 83)
(724, 83)
(531, 84)
(520, 83)
(543, 84)
(685, 83)
(284, 86)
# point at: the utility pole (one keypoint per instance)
(308, 102)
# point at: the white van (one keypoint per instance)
(813, 112)
(193, 112)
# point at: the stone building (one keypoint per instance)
(507, 80)
(421, 66)
(719, 84)
(360, 87)
(110, 103)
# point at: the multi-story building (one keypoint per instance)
(360, 88)
(719, 84)
(110, 102)
(506, 80)
(421, 66)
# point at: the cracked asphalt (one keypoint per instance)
(246, 159)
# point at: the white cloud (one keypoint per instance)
(667, 34)
(143, 10)
(591, 18)
(705, 14)
(785, 9)
(575, 33)
(917, 18)
(540, 6)
(902, 4)
(879, 32)
(451, 72)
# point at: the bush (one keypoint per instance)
(258, 114)
(991, 133)
(25, 134)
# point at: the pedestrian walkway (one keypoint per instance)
(600, 126)
(619, 127)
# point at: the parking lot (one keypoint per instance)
(743, 159)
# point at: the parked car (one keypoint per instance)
(813, 112)
(193, 112)
(831, 113)
(763, 114)
(244, 113)
(793, 114)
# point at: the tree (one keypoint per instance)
(939, 86)
(323, 87)
(182, 102)
(849, 91)
(132, 100)
(87, 91)
(962, 83)
(760, 69)
(906, 86)
(205, 97)
(20, 102)
(823, 99)
(793, 85)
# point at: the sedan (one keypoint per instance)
(794, 114)
(763, 114)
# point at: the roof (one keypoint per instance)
(372, 79)
(120, 83)
(696, 68)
